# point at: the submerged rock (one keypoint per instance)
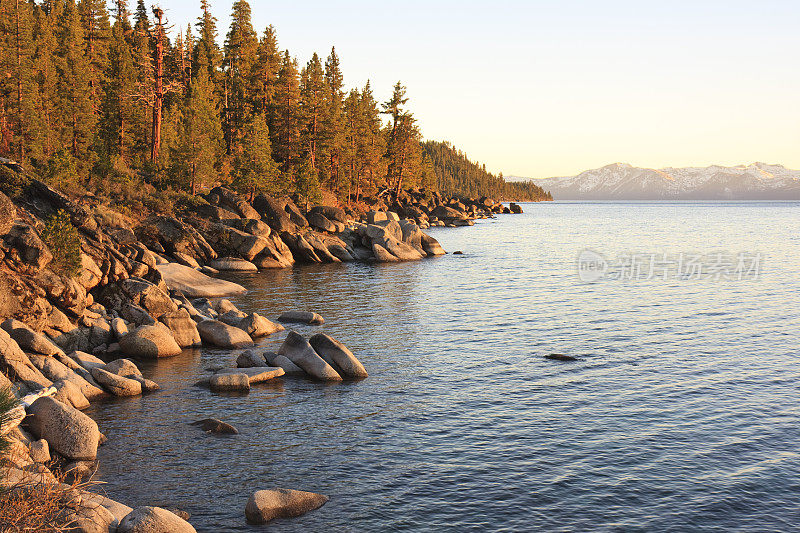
(230, 382)
(217, 427)
(256, 325)
(233, 264)
(255, 374)
(266, 505)
(560, 357)
(302, 317)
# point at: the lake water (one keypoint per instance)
(681, 413)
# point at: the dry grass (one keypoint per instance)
(35, 504)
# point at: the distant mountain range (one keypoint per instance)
(621, 181)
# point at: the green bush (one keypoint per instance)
(62, 238)
(62, 170)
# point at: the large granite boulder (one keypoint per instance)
(148, 296)
(183, 328)
(220, 334)
(300, 352)
(30, 340)
(289, 368)
(319, 221)
(256, 325)
(233, 202)
(431, 245)
(55, 370)
(17, 366)
(194, 284)
(154, 520)
(150, 342)
(68, 431)
(273, 213)
(115, 384)
(338, 356)
(334, 214)
(266, 505)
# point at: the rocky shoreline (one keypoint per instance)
(146, 290)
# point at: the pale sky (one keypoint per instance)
(551, 88)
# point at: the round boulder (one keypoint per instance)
(222, 335)
(68, 431)
(265, 505)
(151, 342)
(154, 520)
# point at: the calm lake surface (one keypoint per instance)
(682, 412)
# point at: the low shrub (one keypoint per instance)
(65, 244)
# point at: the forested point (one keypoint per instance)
(120, 104)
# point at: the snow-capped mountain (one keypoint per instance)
(621, 181)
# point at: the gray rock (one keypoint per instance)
(431, 245)
(17, 366)
(300, 352)
(55, 370)
(183, 328)
(123, 367)
(117, 385)
(8, 212)
(119, 327)
(337, 353)
(68, 431)
(226, 382)
(382, 255)
(258, 374)
(222, 335)
(266, 505)
(249, 359)
(256, 325)
(39, 451)
(137, 315)
(319, 221)
(86, 360)
(285, 363)
(233, 264)
(69, 394)
(30, 340)
(148, 296)
(301, 317)
(31, 249)
(153, 520)
(196, 284)
(150, 342)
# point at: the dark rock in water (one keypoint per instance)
(560, 357)
(458, 252)
(515, 208)
(217, 427)
(303, 317)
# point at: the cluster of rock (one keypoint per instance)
(143, 289)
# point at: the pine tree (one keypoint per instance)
(43, 121)
(373, 144)
(241, 46)
(206, 51)
(333, 121)
(312, 98)
(119, 106)
(402, 135)
(17, 88)
(265, 76)
(142, 97)
(256, 171)
(97, 34)
(287, 114)
(200, 140)
(74, 104)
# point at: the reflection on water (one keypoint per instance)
(680, 413)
